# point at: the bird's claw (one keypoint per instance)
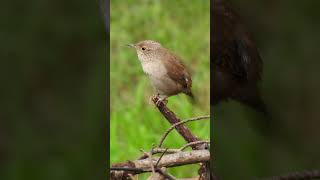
(159, 100)
(164, 101)
(151, 98)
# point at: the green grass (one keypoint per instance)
(181, 26)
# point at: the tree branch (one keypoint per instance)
(172, 118)
(199, 154)
(170, 160)
(181, 122)
(205, 172)
(176, 159)
(193, 143)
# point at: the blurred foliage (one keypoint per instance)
(53, 80)
(184, 28)
(287, 35)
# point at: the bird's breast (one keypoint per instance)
(154, 68)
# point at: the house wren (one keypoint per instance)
(237, 65)
(167, 73)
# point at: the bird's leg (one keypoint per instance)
(154, 96)
(161, 98)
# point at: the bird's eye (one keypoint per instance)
(143, 48)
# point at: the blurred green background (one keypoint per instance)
(53, 90)
(184, 28)
(287, 35)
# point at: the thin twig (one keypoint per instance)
(161, 157)
(136, 170)
(179, 123)
(151, 161)
(193, 143)
(159, 150)
(173, 119)
(167, 150)
(166, 175)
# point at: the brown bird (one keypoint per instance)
(167, 73)
(236, 66)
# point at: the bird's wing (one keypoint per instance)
(176, 70)
(237, 56)
(251, 62)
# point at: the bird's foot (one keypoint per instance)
(163, 100)
(159, 100)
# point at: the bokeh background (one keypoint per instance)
(53, 90)
(184, 28)
(287, 34)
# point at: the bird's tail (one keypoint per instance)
(251, 97)
(190, 94)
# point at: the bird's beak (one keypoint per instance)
(131, 45)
